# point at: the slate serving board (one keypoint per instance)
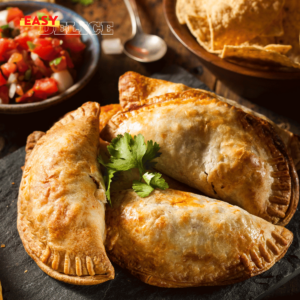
(22, 279)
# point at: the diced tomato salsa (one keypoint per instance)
(29, 55)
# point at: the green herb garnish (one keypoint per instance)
(83, 2)
(56, 61)
(6, 26)
(27, 75)
(128, 153)
(31, 45)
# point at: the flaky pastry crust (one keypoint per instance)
(217, 148)
(178, 239)
(61, 205)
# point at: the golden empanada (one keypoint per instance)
(136, 90)
(178, 239)
(217, 148)
(61, 206)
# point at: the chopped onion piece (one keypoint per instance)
(59, 15)
(34, 56)
(64, 80)
(12, 90)
(13, 77)
(3, 15)
(112, 46)
(11, 24)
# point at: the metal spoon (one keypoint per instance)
(141, 46)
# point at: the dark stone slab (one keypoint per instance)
(36, 285)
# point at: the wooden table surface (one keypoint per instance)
(104, 86)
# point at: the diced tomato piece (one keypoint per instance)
(22, 40)
(43, 42)
(4, 99)
(74, 44)
(8, 68)
(45, 49)
(13, 13)
(19, 60)
(29, 96)
(16, 57)
(68, 58)
(6, 45)
(44, 87)
(62, 65)
(45, 52)
(2, 79)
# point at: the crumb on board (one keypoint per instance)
(12, 183)
(25, 271)
(2, 246)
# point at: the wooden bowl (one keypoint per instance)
(85, 72)
(247, 82)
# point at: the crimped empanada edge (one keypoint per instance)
(270, 132)
(84, 280)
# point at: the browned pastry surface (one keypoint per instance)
(217, 148)
(61, 206)
(178, 239)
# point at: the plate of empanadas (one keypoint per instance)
(179, 186)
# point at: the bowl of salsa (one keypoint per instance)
(43, 65)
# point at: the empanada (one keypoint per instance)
(136, 90)
(61, 205)
(178, 239)
(217, 148)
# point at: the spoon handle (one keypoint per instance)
(134, 16)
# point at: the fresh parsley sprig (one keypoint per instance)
(127, 153)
